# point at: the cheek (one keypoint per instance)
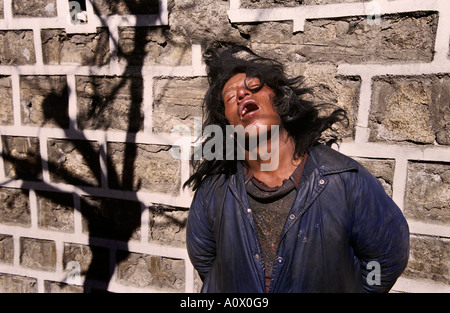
(274, 116)
(230, 114)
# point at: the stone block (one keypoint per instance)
(205, 21)
(398, 37)
(58, 287)
(168, 225)
(411, 109)
(17, 47)
(330, 88)
(140, 46)
(44, 101)
(74, 162)
(6, 249)
(143, 270)
(429, 259)
(125, 7)
(198, 284)
(82, 254)
(14, 207)
(177, 101)
(17, 284)
(427, 196)
(143, 167)
(404, 37)
(91, 259)
(310, 2)
(38, 254)
(34, 8)
(106, 102)
(22, 158)
(383, 170)
(58, 47)
(111, 218)
(267, 4)
(55, 211)
(6, 105)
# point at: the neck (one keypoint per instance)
(274, 161)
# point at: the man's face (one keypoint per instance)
(244, 107)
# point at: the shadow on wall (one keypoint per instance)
(113, 219)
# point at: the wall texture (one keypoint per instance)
(90, 191)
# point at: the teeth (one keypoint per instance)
(244, 111)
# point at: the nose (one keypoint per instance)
(242, 93)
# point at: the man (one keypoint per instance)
(315, 222)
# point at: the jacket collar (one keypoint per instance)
(323, 158)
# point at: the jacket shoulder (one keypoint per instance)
(330, 161)
(211, 187)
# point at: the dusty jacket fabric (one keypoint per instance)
(341, 220)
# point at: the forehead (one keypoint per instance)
(235, 81)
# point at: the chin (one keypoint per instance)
(255, 129)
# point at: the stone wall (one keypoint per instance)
(90, 191)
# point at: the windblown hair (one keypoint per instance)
(299, 117)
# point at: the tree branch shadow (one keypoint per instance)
(103, 218)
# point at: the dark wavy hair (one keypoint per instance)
(299, 117)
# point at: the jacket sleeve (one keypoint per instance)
(200, 241)
(380, 234)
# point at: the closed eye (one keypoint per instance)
(229, 98)
(252, 83)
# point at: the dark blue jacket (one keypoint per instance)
(341, 220)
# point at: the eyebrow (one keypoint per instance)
(227, 90)
(245, 84)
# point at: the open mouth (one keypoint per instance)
(247, 108)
